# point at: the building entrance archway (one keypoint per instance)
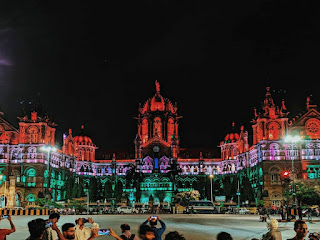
(3, 201)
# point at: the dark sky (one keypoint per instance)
(93, 63)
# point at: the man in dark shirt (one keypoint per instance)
(153, 220)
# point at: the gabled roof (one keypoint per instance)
(7, 126)
(312, 113)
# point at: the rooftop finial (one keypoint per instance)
(157, 86)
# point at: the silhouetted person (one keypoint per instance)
(174, 235)
(224, 236)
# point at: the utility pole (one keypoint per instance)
(238, 193)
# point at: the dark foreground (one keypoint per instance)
(197, 226)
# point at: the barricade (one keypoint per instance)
(19, 212)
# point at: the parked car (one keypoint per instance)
(244, 211)
(139, 210)
(123, 210)
(17, 208)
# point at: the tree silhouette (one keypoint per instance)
(134, 178)
(172, 173)
(107, 190)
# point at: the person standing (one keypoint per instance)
(309, 215)
(300, 212)
(37, 229)
(86, 233)
(53, 218)
(301, 229)
(273, 233)
(6, 232)
(153, 223)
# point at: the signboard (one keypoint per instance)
(220, 198)
(238, 193)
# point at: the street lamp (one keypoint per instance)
(211, 176)
(2, 177)
(48, 149)
(293, 139)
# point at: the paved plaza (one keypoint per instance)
(197, 226)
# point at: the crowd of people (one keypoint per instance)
(46, 229)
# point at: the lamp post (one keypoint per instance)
(211, 176)
(48, 149)
(2, 177)
(293, 139)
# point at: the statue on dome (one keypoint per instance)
(157, 86)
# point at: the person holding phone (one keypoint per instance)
(53, 218)
(5, 232)
(86, 233)
(153, 220)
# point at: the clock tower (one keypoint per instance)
(158, 123)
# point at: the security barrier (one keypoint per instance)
(36, 212)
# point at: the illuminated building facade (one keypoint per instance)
(159, 167)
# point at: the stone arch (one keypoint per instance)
(276, 198)
(3, 201)
(18, 198)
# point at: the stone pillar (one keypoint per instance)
(11, 192)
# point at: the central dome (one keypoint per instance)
(82, 139)
(233, 136)
(158, 103)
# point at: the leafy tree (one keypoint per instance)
(260, 203)
(172, 173)
(80, 204)
(307, 194)
(93, 189)
(42, 201)
(118, 191)
(184, 197)
(133, 179)
(217, 187)
(108, 190)
(69, 184)
(78, 188)
(246, 190)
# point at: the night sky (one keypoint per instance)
(93, 63)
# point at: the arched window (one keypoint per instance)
(170, 129)
(31, 197)
(33, 134)
(273, 131)
(32, 151)
(275, 176)
(157, 127)
(31, 177)
(144, 130)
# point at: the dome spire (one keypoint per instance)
(157, 86)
